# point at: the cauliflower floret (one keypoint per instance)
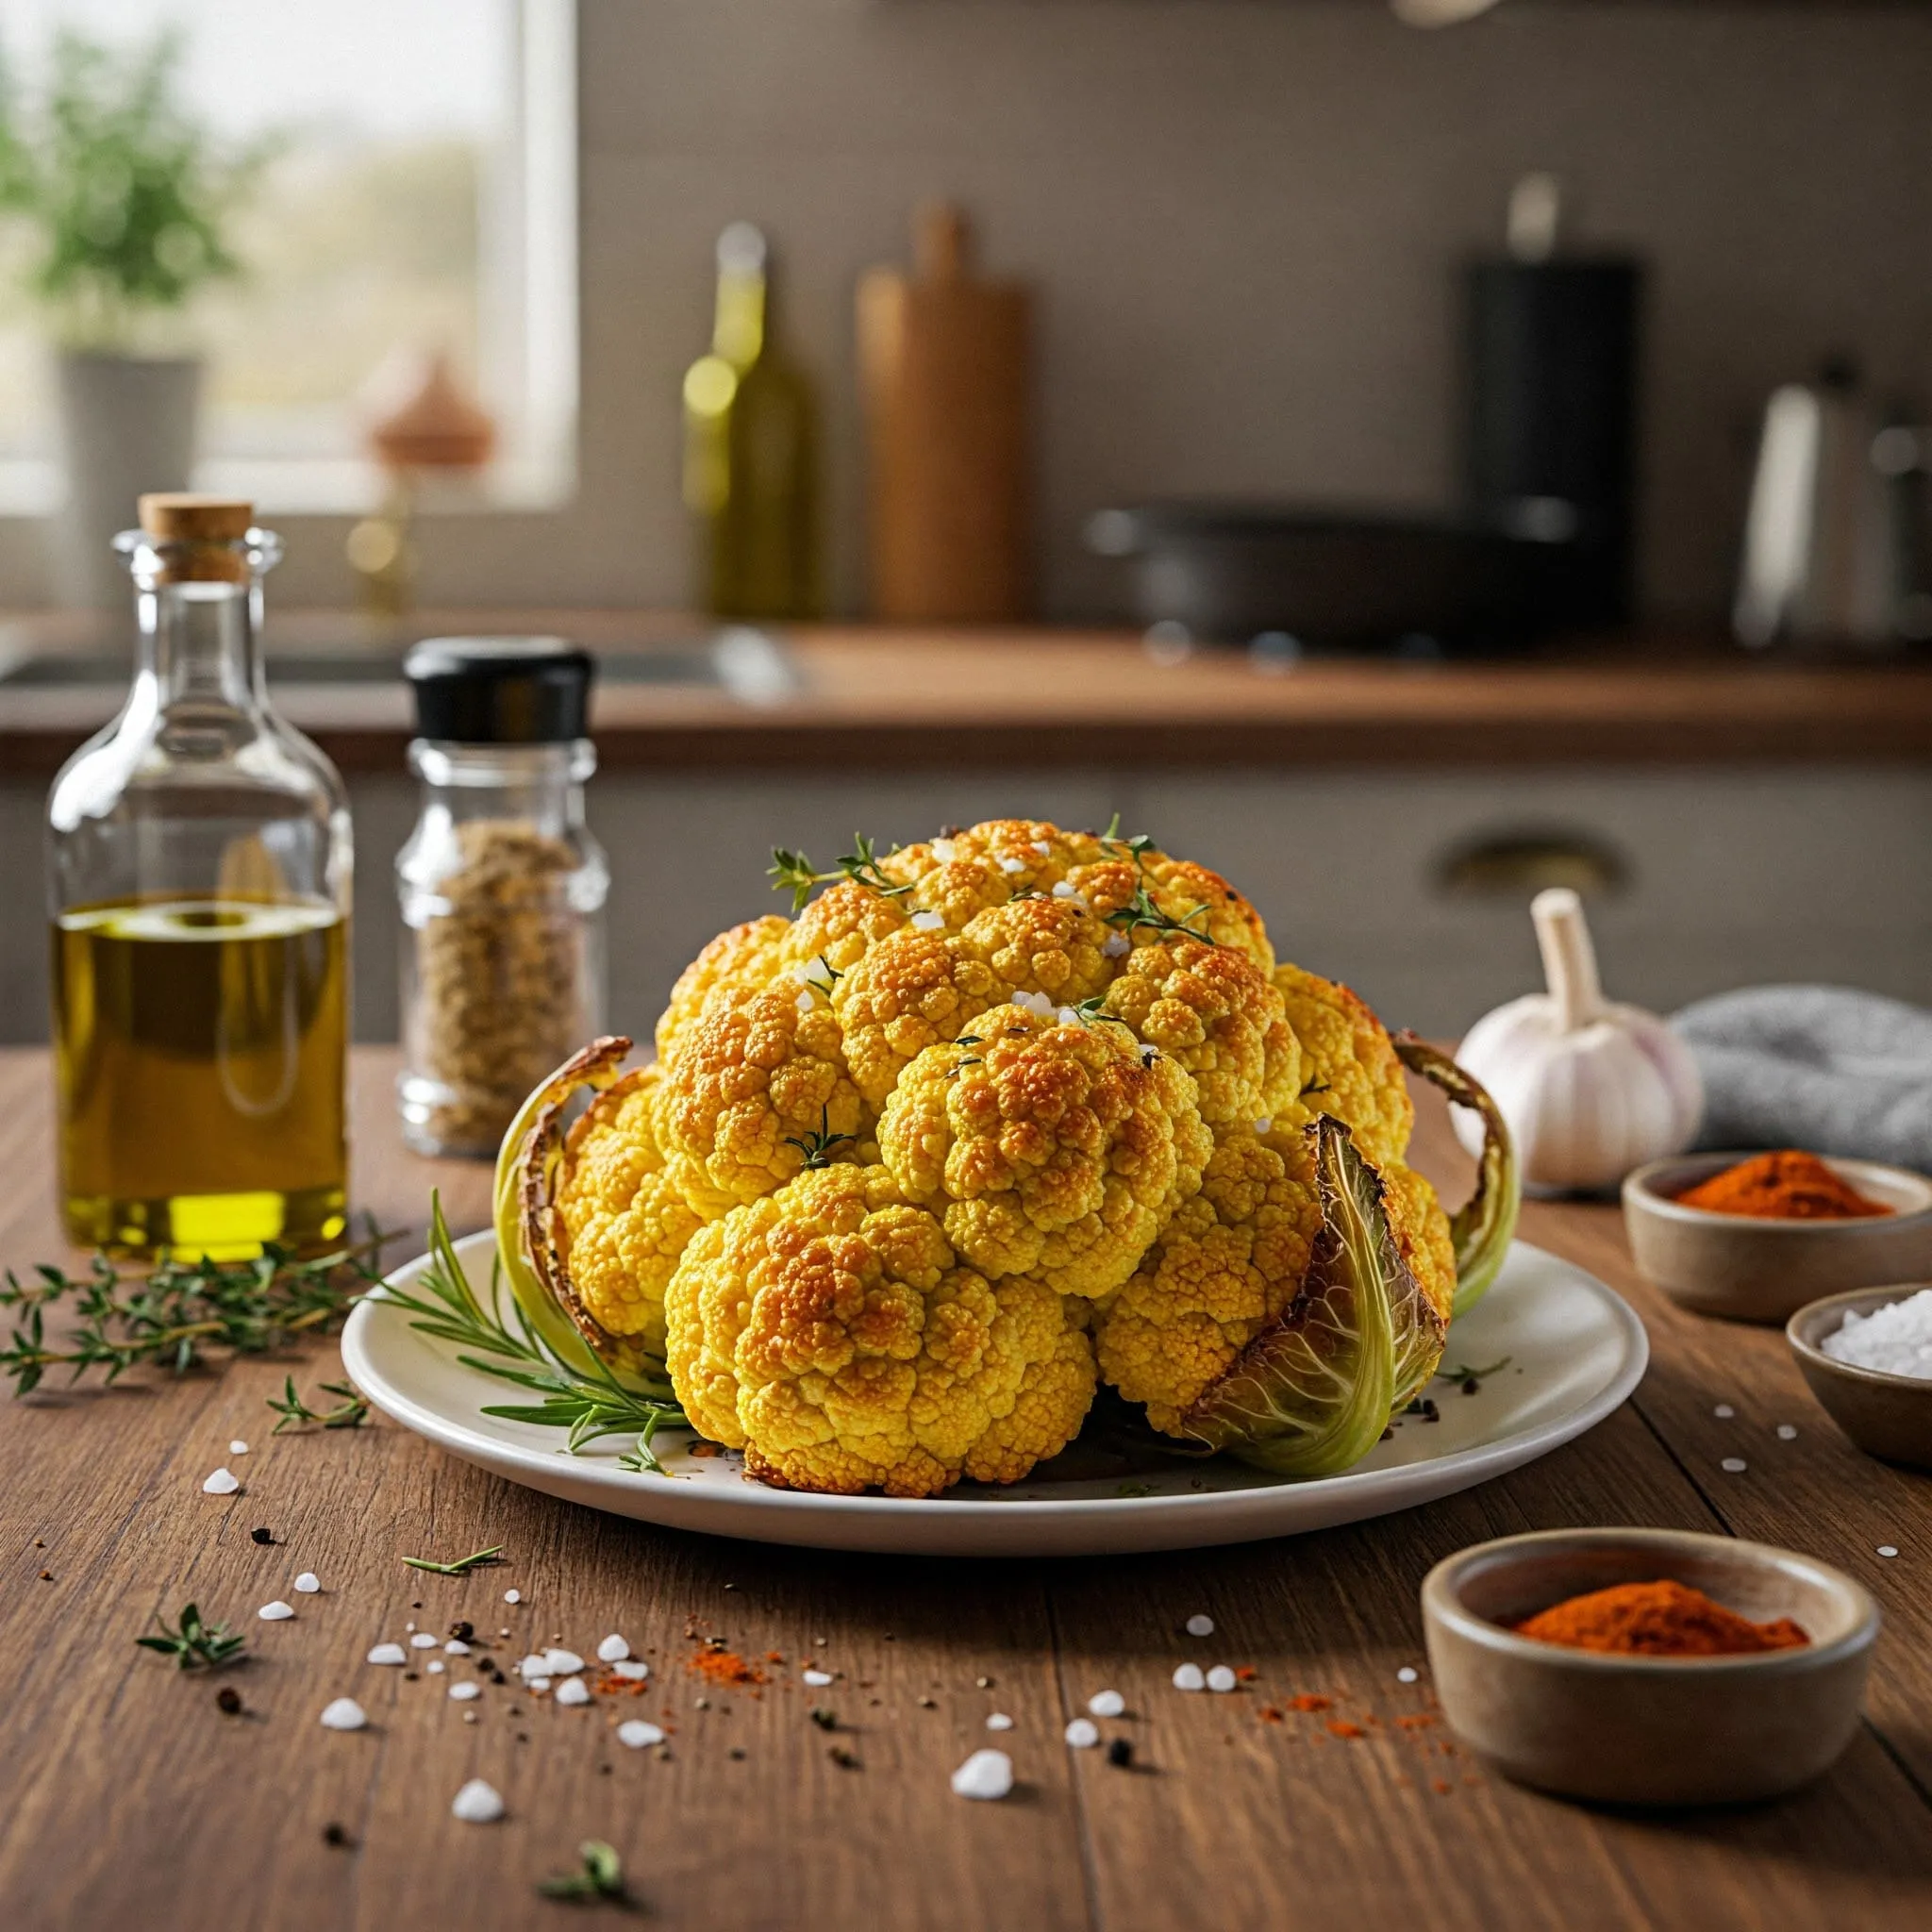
(737, 963)
(1231, 1261)
(1216, 1012)
(1042, 946)
(828, 1331)
(1349, 1067)
(842, 924)
(911, 991)
(1053, 1149)
(1421, 1233)
(753, 1088)
(627, 1223)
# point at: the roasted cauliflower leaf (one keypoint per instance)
(1048, 1145)
(1349, 1065)
(829, 1332)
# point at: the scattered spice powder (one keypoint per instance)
(1269, 1715)
(1340, 1727)
(1309, 1700)
(725, 1666)
(1660, 1619)
(1787, 1185)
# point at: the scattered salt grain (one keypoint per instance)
(1190, 1677)
(344, 1714)
(389, 1654)
(573, 1690)
(224, 1482)
(1734, 1465)
(1013, 865)
(1035, 1003)
(275, 1613)
(423, 1640)
(928, 922)
(1265, 1125)
(561, 1663)
(1041, 846)
(309, 1583)
(805, 1003)
(1067, 1017)
(1063, 890)
(1723, 1412)
(455, 1647)
(512, 1596)
(613, 1650)
(1787, 1433)
(238, 1447)
(816, 1678)
(634, 1668)
(437, 1666)
(1116, 945)
(410, 1624)
(532, 1666)
(1200, 1624)
(477, 1804)
(1888, 1549)
(535, 1683)
(999, 1721)
(985, 1774)
(1895, 1340)
(1083, 1734)
(464, 1691)
(1405, 1674)
(637, 1734)
(942, 850)
(1221, 1678)
(1106, 1703)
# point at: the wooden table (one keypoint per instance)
(128, 1799)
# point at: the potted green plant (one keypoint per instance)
(124, 199)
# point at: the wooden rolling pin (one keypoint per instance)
(944, 363)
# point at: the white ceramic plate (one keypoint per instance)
(1575, 1350)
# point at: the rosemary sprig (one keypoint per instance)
(599, 1882)
(590, 1406)
(350, 1413)
(196, 1645)
(794, 872)
(171, 1316)
(462, 1566)
(817, 1146)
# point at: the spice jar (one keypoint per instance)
(502, 884)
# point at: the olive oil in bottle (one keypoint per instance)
(198, 872)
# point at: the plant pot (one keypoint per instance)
(127, 426)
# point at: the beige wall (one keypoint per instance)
(1241, 219)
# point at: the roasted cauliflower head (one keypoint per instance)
(986, 1120)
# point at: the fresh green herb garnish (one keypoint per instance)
(600, 1880)
(794, 872)
(817, 1147)
(590, 1406)
(1471, 1379)
(462, 1566)
(171, 1316)
(196, 1645)
(1140, 845)
(1092, 1012)
(350, 1413)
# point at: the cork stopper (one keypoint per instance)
(197, 532)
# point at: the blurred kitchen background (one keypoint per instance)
(1243, 229)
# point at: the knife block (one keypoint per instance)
(944, 380)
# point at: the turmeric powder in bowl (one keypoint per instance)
(1787, 1185)
(1660, 1619)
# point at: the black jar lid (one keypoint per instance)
(500, 691)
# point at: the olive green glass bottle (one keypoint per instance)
(751, 450)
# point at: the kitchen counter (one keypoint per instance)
(128, 1798)
(883, 700)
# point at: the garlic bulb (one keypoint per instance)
(1591, 1090)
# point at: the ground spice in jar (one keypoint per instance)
(1787, 1185)
(1661, 1619)
(501, 978)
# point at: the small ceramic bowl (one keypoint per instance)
(1647, 1730)
(1749, 1269)
(1889, 1416)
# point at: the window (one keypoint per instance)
(423, 197)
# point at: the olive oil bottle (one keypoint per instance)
(751, 450)
(199, 865)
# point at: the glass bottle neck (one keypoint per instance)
(198, 644)
(743, 318)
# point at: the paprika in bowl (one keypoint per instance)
(1785, 1236)
(1670, 1724)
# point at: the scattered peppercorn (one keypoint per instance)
(47, 1577)
(463, 1630)
(334, 1835)
(928, 1704)
(737, 1751)
(268, 1536)
(844, 1759)
(1121, 1752)
(1470, 1385)
(411, 1677)
(825, 1716)
(229, 1700)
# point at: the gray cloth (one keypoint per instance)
(1820, 1067)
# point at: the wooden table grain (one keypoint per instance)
(128, 1798)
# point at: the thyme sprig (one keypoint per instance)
(600, 1880)
(590, 1406)
(794, 872)
(1094, 1013)
(350, 1413)
(172, 1315)
(196, 1645)
(817, 1146)
(1471, 1378)
(462, 1566)
(1141, 914)
(1138, 846)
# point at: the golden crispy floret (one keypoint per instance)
(828, 1331)
(1231, 1261)
(841, 926)
(1421, 1232)
(1049, 1148)
(911, 992)
(625, 1221)
(1204, 902)
(1043, 945)
(737, 963)
(1215, 1011)
(1349, 1068)
(749, 1083)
